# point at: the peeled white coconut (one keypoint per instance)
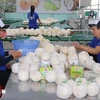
(93, 88)
(23, 75)
(83, 56)
(57, 67)
(64, 50)
(54, 60)
(89, 63)
(45, 56)
(49, 48)
(15, 67)
(36, 86)
(57, 48)
(59, 70)
(49, 29)
(35, 76)
(27, 60)
(89, 74)
(98, 96)
(40, 37)
(51, 76)
(50, 88)
(90, 57)
(71, 50)
(73, 59)
(21, 59)
(82, 80)
(97, 79)
(62, 66)
(96, 68)
(71, 82)
(23, 66)
(34, 67)
(66, 65)
(72, 56)
(55, 54)
(64, 90)
(42, 28)
(45, 63)
(24, 86)
(80, 90)
(62, 57)
(30, 54)
(35, 59)
(61, 77)
(39, 51)
(14, 78)
(45, 42)
(56, 29)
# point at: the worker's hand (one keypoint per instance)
(12, 51)
(77, 45)
(16, 54)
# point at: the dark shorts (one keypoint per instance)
(4, 76)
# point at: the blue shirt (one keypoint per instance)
(33, 20)
(2, 54)
(95, 42)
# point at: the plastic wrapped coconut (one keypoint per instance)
(89, 64)
(82, 80)
(64, 50)
(45, 56)
(23, 75)
(15, 67)
(35, 76)
(60, 78)
(51, 76)
(93, 88)
(54, 60)
(97, 79)
(49, 48)
(83, 56)
(71, 82)
(23, 66)
(39, 51)
(71, 50)
(64, 90)
(80, 90)
(96, 68)
(34, 67)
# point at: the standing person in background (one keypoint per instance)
(33, 17)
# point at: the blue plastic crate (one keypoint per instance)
(27, 45)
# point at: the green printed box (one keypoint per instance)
(76, 71)
(43, 71)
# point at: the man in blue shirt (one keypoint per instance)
(7, 56)
(94, 46)
(33, 17)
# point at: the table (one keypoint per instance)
(29, 90)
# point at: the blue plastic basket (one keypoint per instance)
(27, 45)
